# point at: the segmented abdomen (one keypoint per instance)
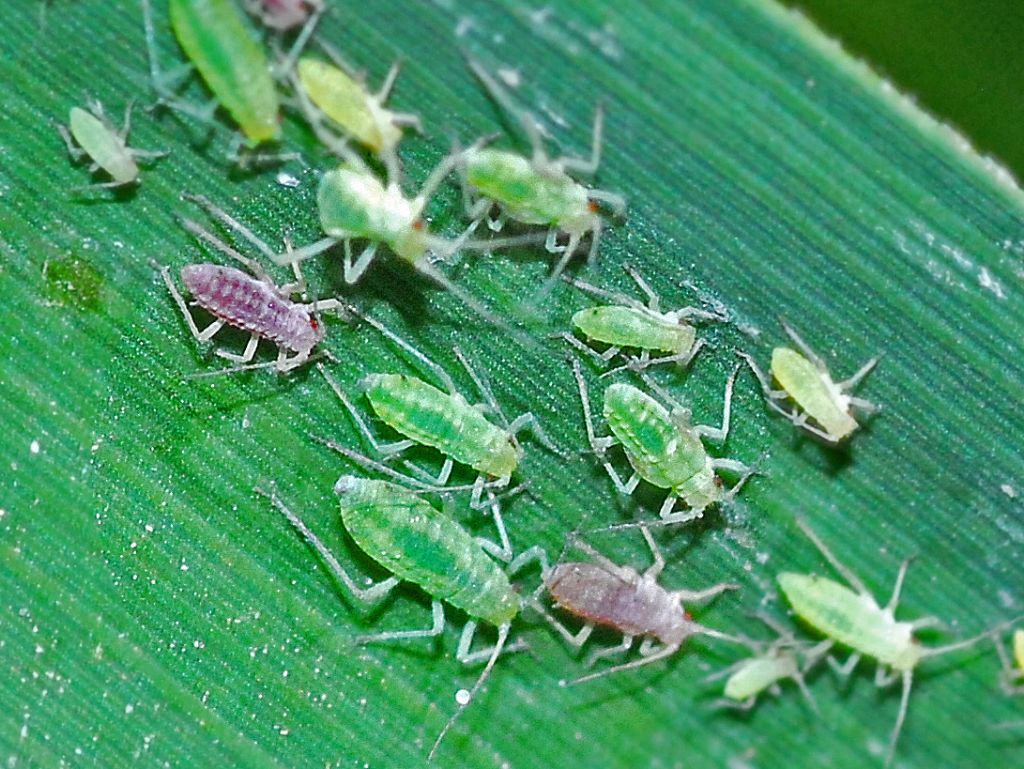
(251, 305)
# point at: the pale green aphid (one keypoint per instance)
(418, 543)
(630, 324)
(106, 146)
(222, 48)
(774, 662)
(853, 618)
(443, 419)
(536, 190)
(663, 447)
(331, 91)
(809, 393)
(1012, 678)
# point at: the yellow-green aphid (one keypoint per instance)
(330, 90)
(1012, 678)
(106, 146)
(629, 324)
(770, 664)
(809, 398)
(536, 190)
(601, 592)
(443, 419)
(663, 447)
(851, 617)
(220, 45)
(421, 545)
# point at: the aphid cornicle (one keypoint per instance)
(629, 324)
(443, 419)
(330, 91)
(853, 618)
(419, 544)
(249, 301)
(663, 447)
(106, 146)
(220, 46)
(536, 190)
(817, 404)
(601, 592)
(771, 663)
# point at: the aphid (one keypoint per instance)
(104, 145)
(635, 325)
(250, 302)
(536, 190)
(808, 386)
(663, 447)
(771, 664)
(601, 592)
(330, 91)
(853, 618)
(282, 15)
(219, 44)
(1012, 678)
(418, 543)
(355, 205)
(443, 419)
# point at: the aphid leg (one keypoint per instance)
(247, 354)
(503, 551)
(201, 336)
(645, 361)
(609, 651)
(845, 669)
(898, 587)
(301, 40)
(772, 395)
(1011, 679)
(853, 382)
(530, 555)
(847, 574)
(384, 450)
(588, 166)
(733, 466)
(495, 652)
(76, 153)
(900, 716)
(353, 271)
(719, 434)
(232, 223)
(699, 596)
(680, 516)
(367, 595)
(575, 640)
(653, 300)
(666, 651)
(435, 629)
(658, 563)
(600, 357)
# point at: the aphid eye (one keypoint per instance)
(418, 224)
(593, 207)
(687, 616)
(314, 324)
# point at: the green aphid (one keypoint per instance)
(663, 447)
(442, 419)
(537, 190)
(220, 45)
(852, 618)
(809, 398)
(329, 90)
(421, 545)
(106, 146)
(632, 325)
(771, 663)
(1012, 678)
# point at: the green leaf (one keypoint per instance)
(156, 611)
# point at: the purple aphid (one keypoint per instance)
(601, 592)
(284, 14)
(252, 303)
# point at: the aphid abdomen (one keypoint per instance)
(251, 305)
(420, 544)
(663, 455)
(217, 41)
(434, 418)
(591, 592)
(632, 327)
(854, 620)
(527, 194)
(103, 145)
(347, 103)
(808, 388)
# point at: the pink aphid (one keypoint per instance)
(250, 302)
(601, 592)
(283, 14)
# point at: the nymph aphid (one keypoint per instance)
(601, 592)
(851, 617)
(421, 545)
(632, 325)
(283, 15)
(663, 447)
(809, 398)
(106, 146)
(249, 301)
(537, 190)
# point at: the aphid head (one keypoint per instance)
(413, 244)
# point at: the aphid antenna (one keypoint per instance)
(231, 223)
(503, 631)
(991, 634)
(531, 126)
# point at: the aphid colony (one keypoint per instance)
(395, 522)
